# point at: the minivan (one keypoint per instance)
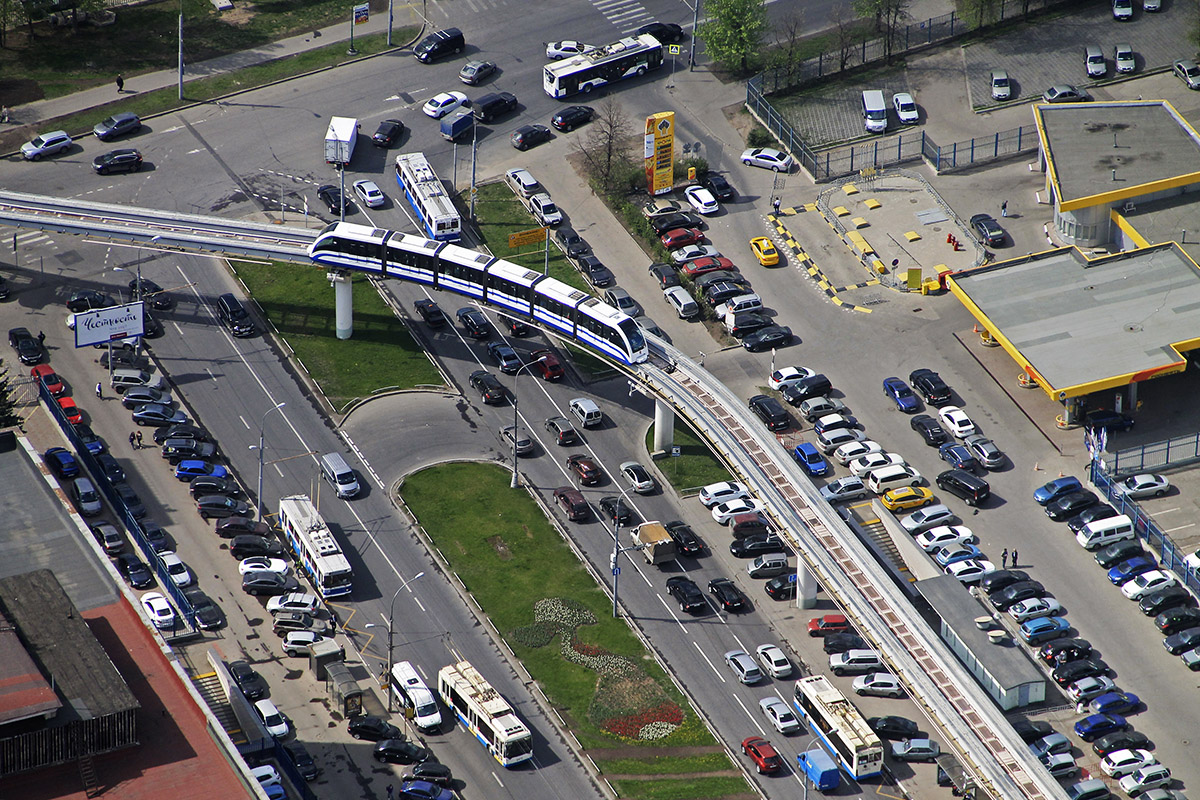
(1094, 61)
(233, 314)
(440, 44)
(497, 104)
(874, 111)
(769, 565)
(895, 476)
(681, 301)
(1104, 532)
(87, 499)
(738, 304)
(123, 379)
(855, 662)
(338, 473)
(972, 488)
(414, 694)
(588, 413)
(1092, 789)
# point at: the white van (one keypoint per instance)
(413, 693)
(681, 301)
(874, 111)
(588, 413)
(1104, 532)
(736, 305)
(893, 477)
(335, 470)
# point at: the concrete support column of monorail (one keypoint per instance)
(664, 426)
(343, 303)
(806, 587)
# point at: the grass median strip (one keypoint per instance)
(695, 466)
(669, 788)
(499, 213)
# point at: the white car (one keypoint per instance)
(787, 376)
(861, 466)
(275, 723)
(856, 450)
(159, 610)
(780, 715)
(566, 49)
(1138, 487)
(1087, 688)
(702, 200)
(1124, 762)
(971, 570)
(369, 194)
(181, 576)
(944, 536)
(266, 775)
(1035, 607)
(928, 517)
(299, 643)
(829, 441)
(843, 489)
(693, 251)
(1144, 779)
(957, 421)
(264, 564)
(1147, 582)
(878, 684)
(767, 158)
(724, 512)
(906, 109)
(1123, 55)
(774, 661)
(442, 104)
(294, 601)
(722, 492)
(638, 477)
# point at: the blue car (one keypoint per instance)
(811, 460)
(423, 790)
(1092, 728)
(904, 397)
(945, 556)
(1128, 570)
(959, 456)
(1056, 489)
(193, 468)
(91, 442)
(1114, 703)
(62, 462)
(1043, 629)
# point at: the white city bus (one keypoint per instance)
(485, 713)
(314, 546)
(839, 726)
(424, 191)
(633, 55)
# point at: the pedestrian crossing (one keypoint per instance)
(626, 15)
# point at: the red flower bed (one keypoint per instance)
(630, 726)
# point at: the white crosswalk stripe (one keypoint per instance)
(626, 15)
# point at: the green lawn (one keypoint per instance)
(381, 354)
(500, 213)
(668, 788)
(696, 466)
(662, 765)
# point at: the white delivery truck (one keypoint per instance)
(340, 139)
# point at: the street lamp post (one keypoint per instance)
(614, 560)
(262, 431)
(513, 484)
(391, 615)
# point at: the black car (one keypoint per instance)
(203, 485)
(719, 292)
(571, 242)
(527, 136)
(1091, 514)
(747, 322)
(770, 411)
(680, 219)
(373, 729)
(1062, 651)
(88, 299)
(1010, 595)
(1031, 730)
(665, 32)
(1121, 740)
(133, 503)
(126, 159)
(430, 771)
(806, 389)
(302, 760)
(398, 751)
(489, 387)
(572, 117)
(152, 293)
(930, 429)
(687, 593)
(665, 274)
(156, 537)
(209, 616)
(930, 386)
(781, 588)
(388, 133)
(217, 506)
(1107, 420)
(505, 357)
(756, 545)
(1177, 619)
(1117, 552)
(893, 727)
(248, 545)
(686, 540)
(999, 579)
(1068, 673)
(728, 594)
(1070, 504)
(717, 184)
(1160, 600)
(27, 347)
(702, 282)
(616, 510)
(768, 337)
(236, 526)
(134, 570)
(111, 468)
(474, 323)
(842, 642)
(333, 198)
(268, 584)
(1185, 639)
(594, 271)
(516, 327)
(184, 430)
(249, 681)
(176, 450)
(431, 312)
(989, 231)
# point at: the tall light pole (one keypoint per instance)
(513, 484)
(614, 559)
(391, 615)
(262, 432)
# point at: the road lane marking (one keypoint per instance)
(1181, 527)
(671, 611)
(704, 655)
(753, 718)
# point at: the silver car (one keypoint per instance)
(1186, 70)
(47, 144)
(518, 438)
(985, 451)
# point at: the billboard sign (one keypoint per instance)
(659, 153)
(522, 238)
(107, 324)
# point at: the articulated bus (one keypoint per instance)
(839, 726)
(485, 713)
(314, 546)
(425, 193)
(631, 56)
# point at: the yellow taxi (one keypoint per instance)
(907, 497)
(764, 250)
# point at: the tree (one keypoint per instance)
(734, 31)
(789, 35)
(888, 14)
(8, 412)
(607, 150)
(845, 38)
(985, 12)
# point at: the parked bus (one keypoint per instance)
(425, 193)
(314, 546)
(839, 727)
(483, 711)
(631, 56)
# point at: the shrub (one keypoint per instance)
(759, 137)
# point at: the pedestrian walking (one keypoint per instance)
(99, 390)
(1004, 209)
(1004, 559)
(1014, 557)
(139, 440)
(41, 337)
(120, 83)
(5, 113)
(775, 203)
(133, 440)
(391, 791)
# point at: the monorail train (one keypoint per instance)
(519, 292)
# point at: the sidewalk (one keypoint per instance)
(32, 113)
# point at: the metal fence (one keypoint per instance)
(1174, 452)
(980, 148)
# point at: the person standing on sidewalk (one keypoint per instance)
(1014, 557)
(120, 83)
(99, 391)
(1004, 559)
(133, 440)
(5, 113)
(1004, 209)
(139, 440)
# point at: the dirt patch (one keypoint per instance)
(239, 15)
(501, 548)
(737, 116)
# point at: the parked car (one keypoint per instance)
(571, 117)
(373, 729)
(767, 158)
(215, 506)
(399, 751)
(916, 750)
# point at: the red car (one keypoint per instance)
(678, 237)
(548, 363)
(585, 469)
(53, 383)
(762, 754)
(72, 412)
(830, 623)
(700, 266)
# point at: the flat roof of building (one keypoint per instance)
(24, 691)
(1078, 326)
(1101, 153)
